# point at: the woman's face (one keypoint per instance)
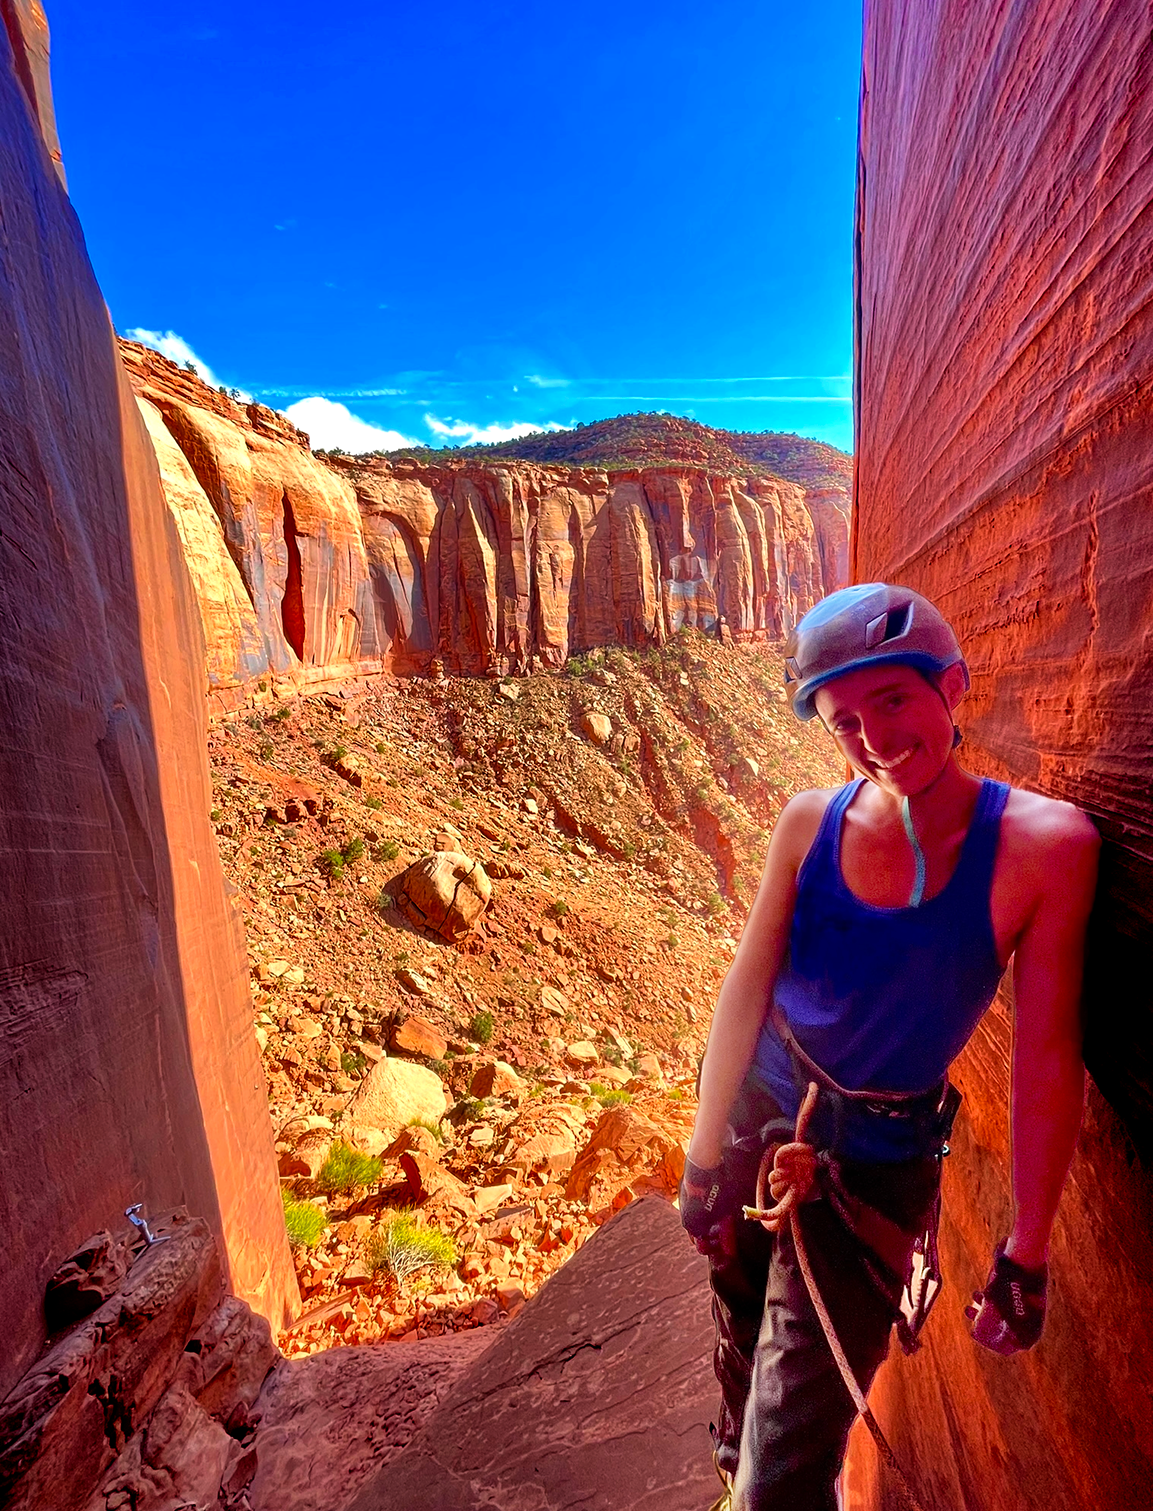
(891, 724)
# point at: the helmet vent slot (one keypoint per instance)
(897, 622)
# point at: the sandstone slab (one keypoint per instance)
(611, 1365)
(494, 1079)
(417, 1036)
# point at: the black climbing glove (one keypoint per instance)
(701, 1205)
(1009, 1314)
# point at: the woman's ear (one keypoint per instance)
(954, 684)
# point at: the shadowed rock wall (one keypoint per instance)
(128, 1068)
(308, 571)
(1005, 351)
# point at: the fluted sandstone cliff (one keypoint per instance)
(311, 569)
(128, 1071)
(1006, 348)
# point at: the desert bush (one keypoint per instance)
(332, 864)
(352, 1062)
(402, 1246)
(481, 1026)
(303, 1222)
(388, 849)
(431, 1124)
(346, 1169)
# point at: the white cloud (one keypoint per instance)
(482, 435)
(170, 345)
(332, 426)
(538, 382)
(176, 349)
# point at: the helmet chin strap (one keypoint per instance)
(917, 895)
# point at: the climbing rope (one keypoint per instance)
(787, 1210)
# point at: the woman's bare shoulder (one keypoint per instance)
(797, 824)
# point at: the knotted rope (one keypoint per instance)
(790, 1171)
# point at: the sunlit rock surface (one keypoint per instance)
(128, 1069)
(1004, 468)
(310, 570)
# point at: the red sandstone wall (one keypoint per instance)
(128, 1068)
(1005, 467)
(307, 572)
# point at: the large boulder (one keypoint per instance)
(444, 893)
(394, 1093)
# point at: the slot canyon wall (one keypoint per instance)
(1005, 409)
(311, 569)
(128, 1068)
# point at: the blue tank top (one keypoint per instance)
(883, 998)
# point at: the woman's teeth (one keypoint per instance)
(896, 761)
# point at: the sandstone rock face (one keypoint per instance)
(129, 1407)
(310, 569)
(598, 1394)
(1006, 342)
(396, 1092)
(331, 1422)
(129, 1070)
(445, 893)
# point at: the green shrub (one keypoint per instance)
(254, 721)
(715, 904)
(384, 902)
(481, 1026)
(267, 750)
(558, 909)
(352, 851)
(468, 1110)
(403, 1246)
(346, 1169)
(332, 864)
(303, 1222)
(215, 816)
(373, 802)
(352, 1062)
(338, 753)
(455, 803)
(282, 713)
(431, 1124)
(612, 1054)
(388, 849)
(614, 1097)
(380, 747)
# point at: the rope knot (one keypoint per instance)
(790, 1171)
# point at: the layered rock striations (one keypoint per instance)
(311, 569)
(1005, 341)
(128, 1070)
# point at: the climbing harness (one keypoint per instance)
(773, 1219)
(917, 896)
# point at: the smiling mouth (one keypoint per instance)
(896, 762)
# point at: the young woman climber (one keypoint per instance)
(887, 912)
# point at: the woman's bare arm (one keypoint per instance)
(1048, 1078)
(746, 990)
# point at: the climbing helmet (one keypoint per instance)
(869, 624)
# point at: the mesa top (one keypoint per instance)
(883, 999)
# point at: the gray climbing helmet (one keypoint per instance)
(866, 625)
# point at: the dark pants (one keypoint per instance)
(785, 1411)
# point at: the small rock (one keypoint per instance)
(417, 1036)
(547, 933)
(649, 1067)
(598, 727)
(510, 1298)
(413, 982)
(553, 1001)
(582, 1054)
(484, 1311)
(530, 805)
(494, 1079)
(508, 690)
(488, 1198)
(482, 1137)
(278, 967)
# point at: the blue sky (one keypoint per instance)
(447, 221)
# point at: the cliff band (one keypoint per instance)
(310, 569)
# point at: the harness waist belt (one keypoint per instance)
(893, 1104)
